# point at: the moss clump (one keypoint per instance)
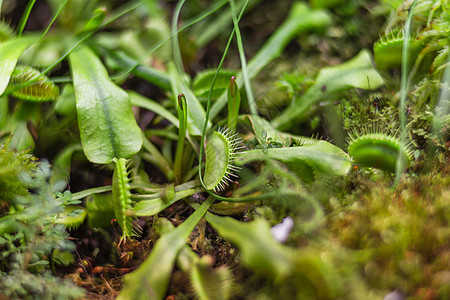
(12, 165)
(405, 232)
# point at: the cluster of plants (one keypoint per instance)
(202, 188)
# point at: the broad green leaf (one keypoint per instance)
(259, 250)
(107, 125)
(306, 161)
(355, 73)
(151, 279)
(10, 52)
(301, 19)
(141, 101)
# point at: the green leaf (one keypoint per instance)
(151, 279)
(259, 250)
(306, 161)
(263, 130)
(95, 21)
(220, 154)
(107, 125)
(355, 73)
(91, 191)
(10, 52)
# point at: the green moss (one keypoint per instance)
(13, 165)
(404, 230)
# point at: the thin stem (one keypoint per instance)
(175, 43)
(248, 87)
(54, 19)
(25, 16)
